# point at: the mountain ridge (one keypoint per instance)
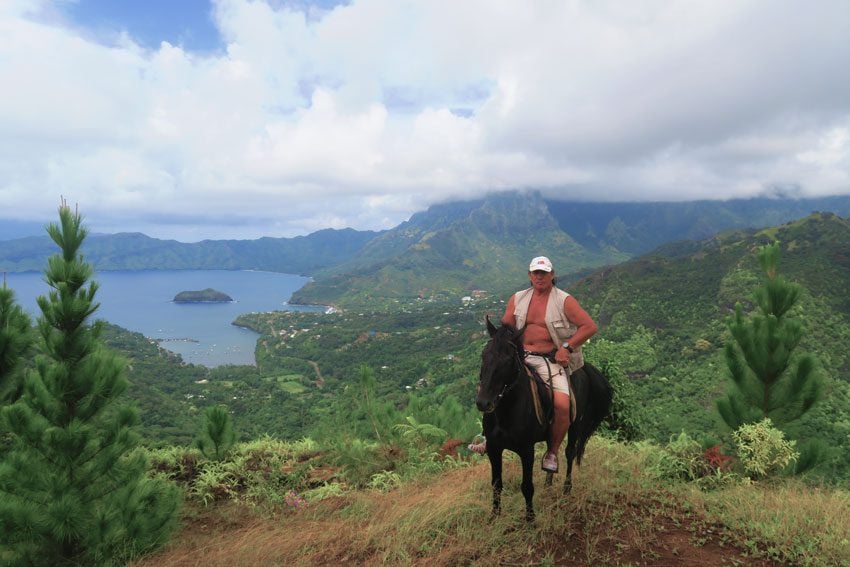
(136, 251)
(450, 248)
(486, 243)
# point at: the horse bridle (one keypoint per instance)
(509, 386)
(519, 357)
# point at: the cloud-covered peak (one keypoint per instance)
(313, 115)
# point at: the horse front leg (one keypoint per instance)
(527, 486)
(495, 456)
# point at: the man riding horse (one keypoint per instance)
(554, 328)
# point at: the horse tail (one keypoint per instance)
(600, 395)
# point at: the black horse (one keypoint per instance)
(511, 421)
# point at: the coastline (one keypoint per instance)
(141, 301)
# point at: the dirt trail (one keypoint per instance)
(320, 381)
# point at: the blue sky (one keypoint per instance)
(196, 119)
(180, 22)
(188, 23)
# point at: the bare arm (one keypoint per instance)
(509, 318)
(585, 328)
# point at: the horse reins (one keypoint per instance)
(520, 363)
(508, 387)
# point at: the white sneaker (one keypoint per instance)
(550, 462)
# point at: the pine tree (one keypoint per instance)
(72, 489)
(769, 379)
(366, 379)
(217, 434)
(15, 344)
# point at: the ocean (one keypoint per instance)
(201, 333)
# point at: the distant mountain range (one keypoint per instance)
(135, 251)
(450, 248)
(486, 244)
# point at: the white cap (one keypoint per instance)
(540, 263)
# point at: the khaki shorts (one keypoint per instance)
(547, 368)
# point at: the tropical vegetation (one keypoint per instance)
(74, 489)
(375, 398)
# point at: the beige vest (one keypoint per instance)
(560, 328)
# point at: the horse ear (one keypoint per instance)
(490, 327)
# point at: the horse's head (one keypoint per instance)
(500, 363)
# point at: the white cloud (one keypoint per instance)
(361, 115)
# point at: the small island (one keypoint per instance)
(208, 295)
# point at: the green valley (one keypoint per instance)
(376, 397)
(662, 332)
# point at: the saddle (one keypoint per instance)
(535, 383)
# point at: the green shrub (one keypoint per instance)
(763, 449)
(180, 464)
(215, 482)
(683, 458)
(360, 460)
(680, 459)
(384, 481)
(262, 472)
(420, 438)
(325, 491)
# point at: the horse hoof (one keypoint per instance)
(529, 517)
(568, 488)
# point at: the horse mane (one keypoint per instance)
(505, 333)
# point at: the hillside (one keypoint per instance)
(623, 510)
(453, 250)
(662, 326)
(666, 312)
(162, 386)
(638, 228)
(486, 244)
(662, 322)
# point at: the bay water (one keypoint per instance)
(202, 333)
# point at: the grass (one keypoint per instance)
(796, 523)
(618, 513)
(290, 383)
